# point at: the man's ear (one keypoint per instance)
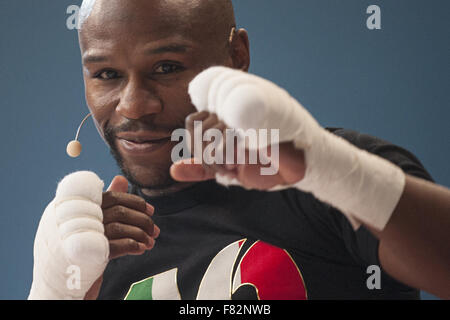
(240, 50)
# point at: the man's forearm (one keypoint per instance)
(415, 245)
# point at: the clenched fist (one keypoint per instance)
(128, 225)
(82, 229)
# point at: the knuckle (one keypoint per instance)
(115, 228)
(120, 211)
(114, 214)
(113, 194)
(106, 195)
(132, 245)
(141, 203)
(109, 195)
(109, 199)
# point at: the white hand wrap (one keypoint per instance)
(361, 185)
(70, 248)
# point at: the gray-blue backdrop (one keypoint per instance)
(392, 83)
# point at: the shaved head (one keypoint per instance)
(222, 9)
(214, 17)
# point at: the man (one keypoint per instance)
(177, 233)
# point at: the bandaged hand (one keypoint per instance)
(364, 187)
(81, 230)
(250, 175)
(70, 240)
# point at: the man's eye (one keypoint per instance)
(167, 68)
(107, 75)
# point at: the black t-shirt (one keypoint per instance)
(231, 243)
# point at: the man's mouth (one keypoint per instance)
(141, 143)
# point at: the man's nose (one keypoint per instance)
(138, 100)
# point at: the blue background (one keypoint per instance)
(392, 83)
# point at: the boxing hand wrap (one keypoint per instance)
(70, 248)
(364, 187)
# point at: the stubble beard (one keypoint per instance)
(153, 176)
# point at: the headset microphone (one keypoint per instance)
(74, 147)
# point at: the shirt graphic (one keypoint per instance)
(243, 270)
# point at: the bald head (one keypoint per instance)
(213, 17)
(85, 12)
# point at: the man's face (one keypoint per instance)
(138, 60)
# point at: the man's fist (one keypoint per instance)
(70, 249)
(255, 109)
(290, 162)
(127, 220)
(81, 230)
(128, 225)
(365, 187)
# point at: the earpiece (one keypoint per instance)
(74, 147)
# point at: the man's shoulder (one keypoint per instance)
(396, 154)
(359, 139)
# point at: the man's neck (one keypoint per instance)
(163, 191)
